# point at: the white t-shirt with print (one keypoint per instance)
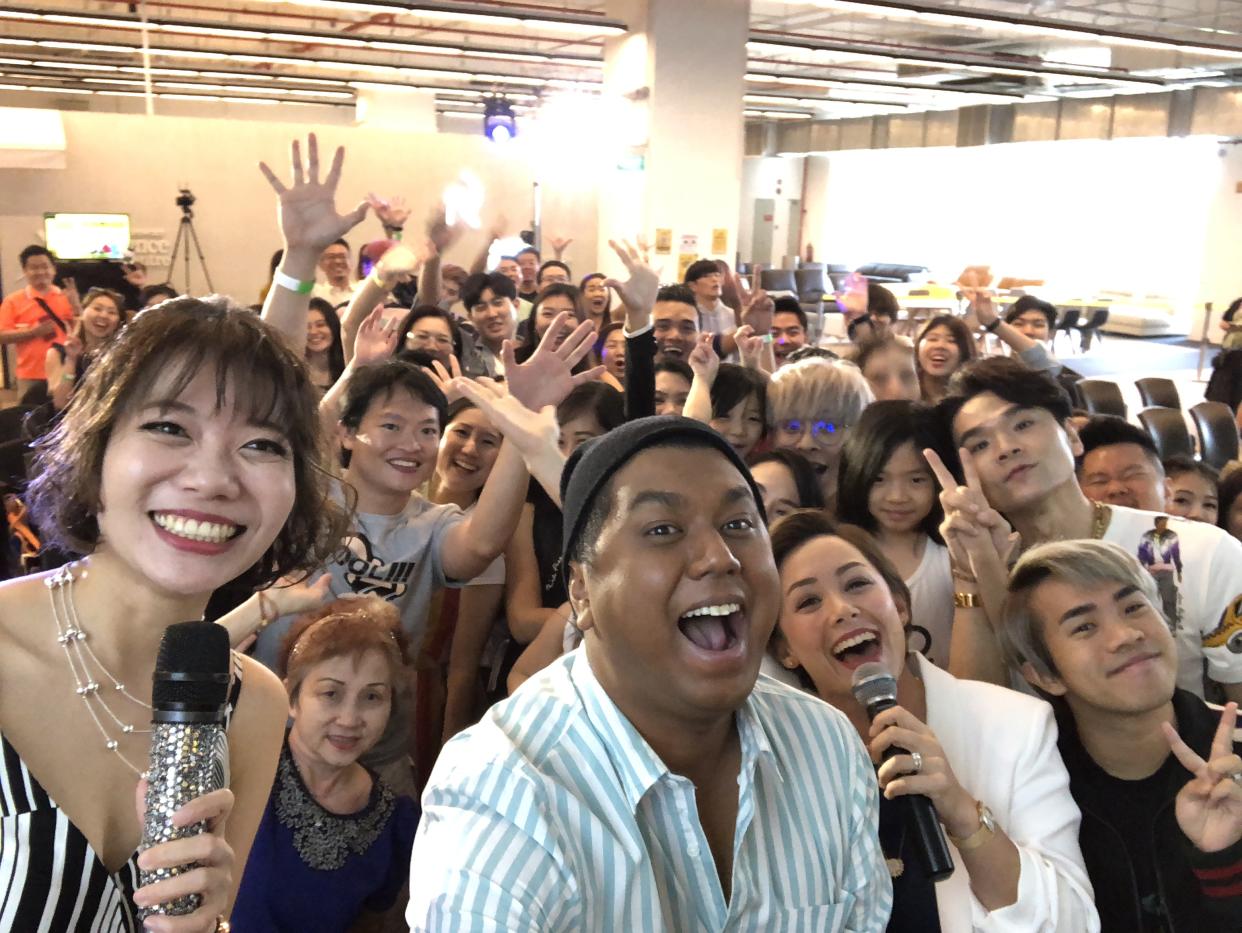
(1204, 596)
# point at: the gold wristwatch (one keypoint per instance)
(986, 830)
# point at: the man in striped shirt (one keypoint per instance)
(646, 782)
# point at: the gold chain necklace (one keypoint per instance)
(72, 638)
(1099, 521)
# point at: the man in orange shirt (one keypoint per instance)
(35, 318)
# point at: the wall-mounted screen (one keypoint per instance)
(87, 236)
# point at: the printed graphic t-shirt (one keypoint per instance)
(396, 557)
(1198, 573)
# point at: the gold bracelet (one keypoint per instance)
(967, 601)
(264, 619)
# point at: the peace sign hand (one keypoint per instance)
(1209, 806)
(307, 209)
(974, 531)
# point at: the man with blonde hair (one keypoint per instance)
(814, 403)
(1154, 770)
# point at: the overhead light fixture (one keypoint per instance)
(901, 9)
(499, 122)
(297, 38)
(586, 26)
(948, 60)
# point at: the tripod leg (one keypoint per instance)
(199, 250)
(172, 259)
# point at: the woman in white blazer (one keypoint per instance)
(985, 756)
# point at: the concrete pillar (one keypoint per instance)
(674, 85)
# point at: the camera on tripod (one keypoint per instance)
(185, 200)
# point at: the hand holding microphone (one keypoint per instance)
(186, 865)
(926, 782)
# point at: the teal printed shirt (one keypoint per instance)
(553, 814)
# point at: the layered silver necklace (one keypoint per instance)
(82, 661)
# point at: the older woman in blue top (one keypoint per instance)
(333, 848)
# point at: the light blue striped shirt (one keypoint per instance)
(554, 814)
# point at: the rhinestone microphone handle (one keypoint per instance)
(187, 761)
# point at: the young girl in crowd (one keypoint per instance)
(732, 399)
(196, 429)
(101, 320)
(325, 355)
(939, 351)
(887, 363)
(447, 694)
(333, 848)
(815, 403)
(985, 756)
(887, 489)
(536, 604)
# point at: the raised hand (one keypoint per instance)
(291, 596)
(377, 338)
(399, 264)
(70, 290)
(750, 346)
(307, 208)
(441, 233)
(854, 298)
(547, 377)
(533, 432)
(758, 311)
(559, 245)
(446, 379)
(212, 876)
(638, 292)
(982, 305)
(974, 531)
(1209, 806)
(392, 212)
(703, 359)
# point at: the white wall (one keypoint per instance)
(134, 164)
(1140, 215)
(1159, 216)
(778, 178)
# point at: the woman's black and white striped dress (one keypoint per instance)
(51, 880)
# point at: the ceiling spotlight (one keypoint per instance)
(499, 123)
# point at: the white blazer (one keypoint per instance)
(1002, 745)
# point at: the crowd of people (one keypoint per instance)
(549, 593)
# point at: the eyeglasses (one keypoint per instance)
(424, 337)
(825, 433)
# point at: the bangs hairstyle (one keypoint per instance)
(383, 379)
(162, 350)
(1085, 564)
(884, 427)
(345, 627)
(799, 528)
(1008, 379)
(810, 495)
(960, 333)
(734, 385)
(819, 388)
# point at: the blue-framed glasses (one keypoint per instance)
(822, 432)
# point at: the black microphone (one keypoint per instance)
(189, 747)
(875, 688)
